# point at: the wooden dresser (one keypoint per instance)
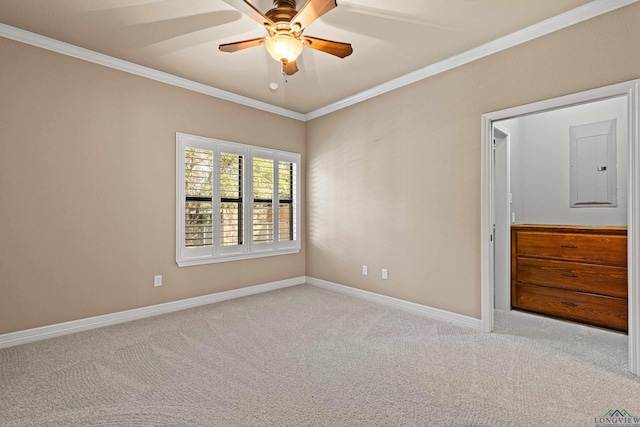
(571, 272)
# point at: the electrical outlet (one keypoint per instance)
(365, 271)
(157, 281)
(385, 274)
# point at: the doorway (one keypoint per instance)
(493, 203)
(532, 154)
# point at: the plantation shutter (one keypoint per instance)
(262, 200)
(231, 209)
(286, 196)
(198, 180)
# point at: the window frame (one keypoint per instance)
(248, 249)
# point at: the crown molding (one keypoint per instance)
(74, 51)
(548, 26)
(567, 19)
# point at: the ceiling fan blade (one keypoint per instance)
(250, 10)
(290, 68)
(245, 44)
(312, 10)
(338, 49)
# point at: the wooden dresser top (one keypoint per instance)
(586, 229)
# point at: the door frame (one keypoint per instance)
(631, 89)
(506, 208)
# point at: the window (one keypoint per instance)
(234, 201)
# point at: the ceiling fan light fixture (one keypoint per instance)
(284, 47)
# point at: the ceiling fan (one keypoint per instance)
(285, 25)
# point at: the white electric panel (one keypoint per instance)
(593, 165)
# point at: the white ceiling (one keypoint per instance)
(390, 39)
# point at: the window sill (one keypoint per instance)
(234, 257)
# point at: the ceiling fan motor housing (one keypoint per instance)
(283, 11)
(284, 3)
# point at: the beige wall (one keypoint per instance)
(87, 180)
(394, 182)
(87, 188)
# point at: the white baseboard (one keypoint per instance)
(59, 329)
(66, 328)
(433, 313)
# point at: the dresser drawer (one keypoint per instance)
(590, 278)
(608, 312)
(606, 249)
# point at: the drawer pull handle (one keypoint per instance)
(570, 275)
(569, 246)
(569, 304)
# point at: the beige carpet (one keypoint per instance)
(304, 356)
